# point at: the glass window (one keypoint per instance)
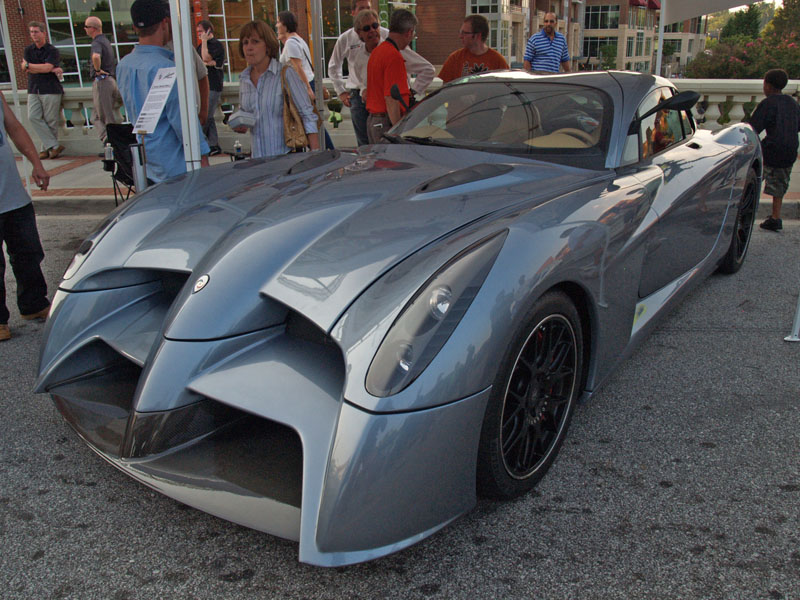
(629, 47)
(662, 129)
(639, 43)
(5, 75)
(60, 33)
(56, 8)
(483, 6)
(601, 17)
(592, 45)
(568, 124)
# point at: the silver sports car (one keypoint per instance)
(344, 348)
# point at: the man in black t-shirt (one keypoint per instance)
(212, 52)
(779, 114)
(41, 63)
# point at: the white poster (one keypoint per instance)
(155, 101)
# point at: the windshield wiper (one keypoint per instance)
(392, 138)
(427, 141)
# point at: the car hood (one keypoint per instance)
(311, 231)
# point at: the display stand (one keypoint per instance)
(139, 163)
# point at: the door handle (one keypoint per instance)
(694, 145)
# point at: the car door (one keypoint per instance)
(689, 182)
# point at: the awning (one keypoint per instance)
(654, 4)
(675, 11)
(638, 2)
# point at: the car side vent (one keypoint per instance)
(315, 160)
(462, 176)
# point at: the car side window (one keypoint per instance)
(688, 128)
(662, 129)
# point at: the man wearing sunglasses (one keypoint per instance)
(103, 72)
(351, 46)
(546, 50)
(474, 56)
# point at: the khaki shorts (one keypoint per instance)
(777, 180)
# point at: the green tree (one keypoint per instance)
(767, 14)
(718, 20)
(749, 60)
(786, 22)
(745, 23)
(608, 54)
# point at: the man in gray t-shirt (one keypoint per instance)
(103, 71)
(18, 224)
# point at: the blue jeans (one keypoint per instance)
(25, 253)
(328, 141)
(358, 115)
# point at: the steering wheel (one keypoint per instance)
(577, 133)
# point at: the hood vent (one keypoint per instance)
(462, 176)
(314, 161)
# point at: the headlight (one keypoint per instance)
(429, 318)
(86, 247)
(77, 260)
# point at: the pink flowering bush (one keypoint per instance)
(737, 58)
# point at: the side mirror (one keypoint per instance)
(682, 101)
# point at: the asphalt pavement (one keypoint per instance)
(680, 479)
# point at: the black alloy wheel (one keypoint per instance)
(532, 400)
(743, 227)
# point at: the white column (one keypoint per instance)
(181, 16)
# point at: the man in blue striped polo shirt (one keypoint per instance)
(547, 49)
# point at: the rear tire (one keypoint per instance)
(532, 399)
(743, 227)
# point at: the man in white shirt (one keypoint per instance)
(351, 90)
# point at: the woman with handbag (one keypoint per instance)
(275, 96)
(297, 54)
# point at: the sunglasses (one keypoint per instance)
(366, 28)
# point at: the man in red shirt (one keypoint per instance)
(386, 68)
(475, 56)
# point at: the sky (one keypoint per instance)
(743, 6)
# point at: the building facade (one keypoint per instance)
(628, 29)
(687, 39)
(440, 21)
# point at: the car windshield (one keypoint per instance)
(556, 122)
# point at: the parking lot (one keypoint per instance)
(680, 479)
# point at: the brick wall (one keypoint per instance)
(439, 23)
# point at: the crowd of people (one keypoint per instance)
(275, 81)
(372, 54)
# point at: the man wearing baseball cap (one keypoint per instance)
(136, 73)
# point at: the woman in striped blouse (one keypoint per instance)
(260, 92)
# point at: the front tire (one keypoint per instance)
(532, 399)
(743, 227)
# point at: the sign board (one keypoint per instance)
(155, 101)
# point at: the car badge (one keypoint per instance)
(200, 283)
